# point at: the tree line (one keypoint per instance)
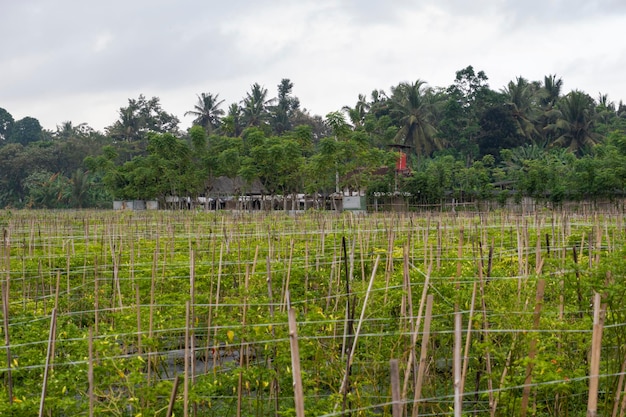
(465, 140)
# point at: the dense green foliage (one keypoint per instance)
(465, 141)
(122, 282)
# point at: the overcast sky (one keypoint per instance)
(82, 60)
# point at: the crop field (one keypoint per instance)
(193, 313)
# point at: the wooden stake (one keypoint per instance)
(396, 401)
(618, 390)
(192, 311)
(186, 364)
(138, 310)
(468, 338)
(344, 383)
(423, 355)
(295, 362)
(90, 379)
(458, 364)
(7, 340)
(51, 339)
(412, 362)
(533, 347)
(170, 407)
(596, 347)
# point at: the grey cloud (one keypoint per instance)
(151, 44)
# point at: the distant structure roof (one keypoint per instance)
(235, 186)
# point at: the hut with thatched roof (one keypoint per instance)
(235, 193)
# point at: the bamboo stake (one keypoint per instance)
(187, 360)
(618, 390)
(396, 401)
(533, 347)
(170, 407)
(407, 299)
(344, 383)
(7, 340)
(485, 334)
(412, 358)
(243, 353)
(389, 265)
(596, 348)
(138, 312)
(423, 355)
(271, 357)
(349, 314)
(458, 382)
(155, 263)
(295, 362)
(468, 337)
(96, 295)
(439, 244)
(217, 303)
(285, 289)
(51, 339)
(192, 318)
(90, 378)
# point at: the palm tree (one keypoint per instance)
(254, 106)
(128, 127)
(551, 91)
(549, 95)
(605, 109)
(232, 123)
(574, 122)
(207, 112)
(285, 109)
(80, 183)
(66, 130)
(412, 108)
(358, 113)
(521, 99)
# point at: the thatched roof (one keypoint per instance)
(235, 186)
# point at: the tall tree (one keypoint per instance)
(412, 107)
(549, 95)
(465, 102)
(67, 130)
(337, 123)
(26, 130)
(232, 124)
(207, 112)
(550, 91)
(357, 113)
(6, 125)
(255, 106)
(575, 121)
(140, 117)
(285, 109)
(470, 85)
(521, 100)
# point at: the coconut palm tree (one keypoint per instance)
(207, 111)
(549, 95)
(232, 124)
(255, 106)
(574, 122)
(605, 109)
(285, 109)
(412, 108)
(358, 113)
(521, 99)
(550, 92)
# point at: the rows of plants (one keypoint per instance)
(152, 310)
